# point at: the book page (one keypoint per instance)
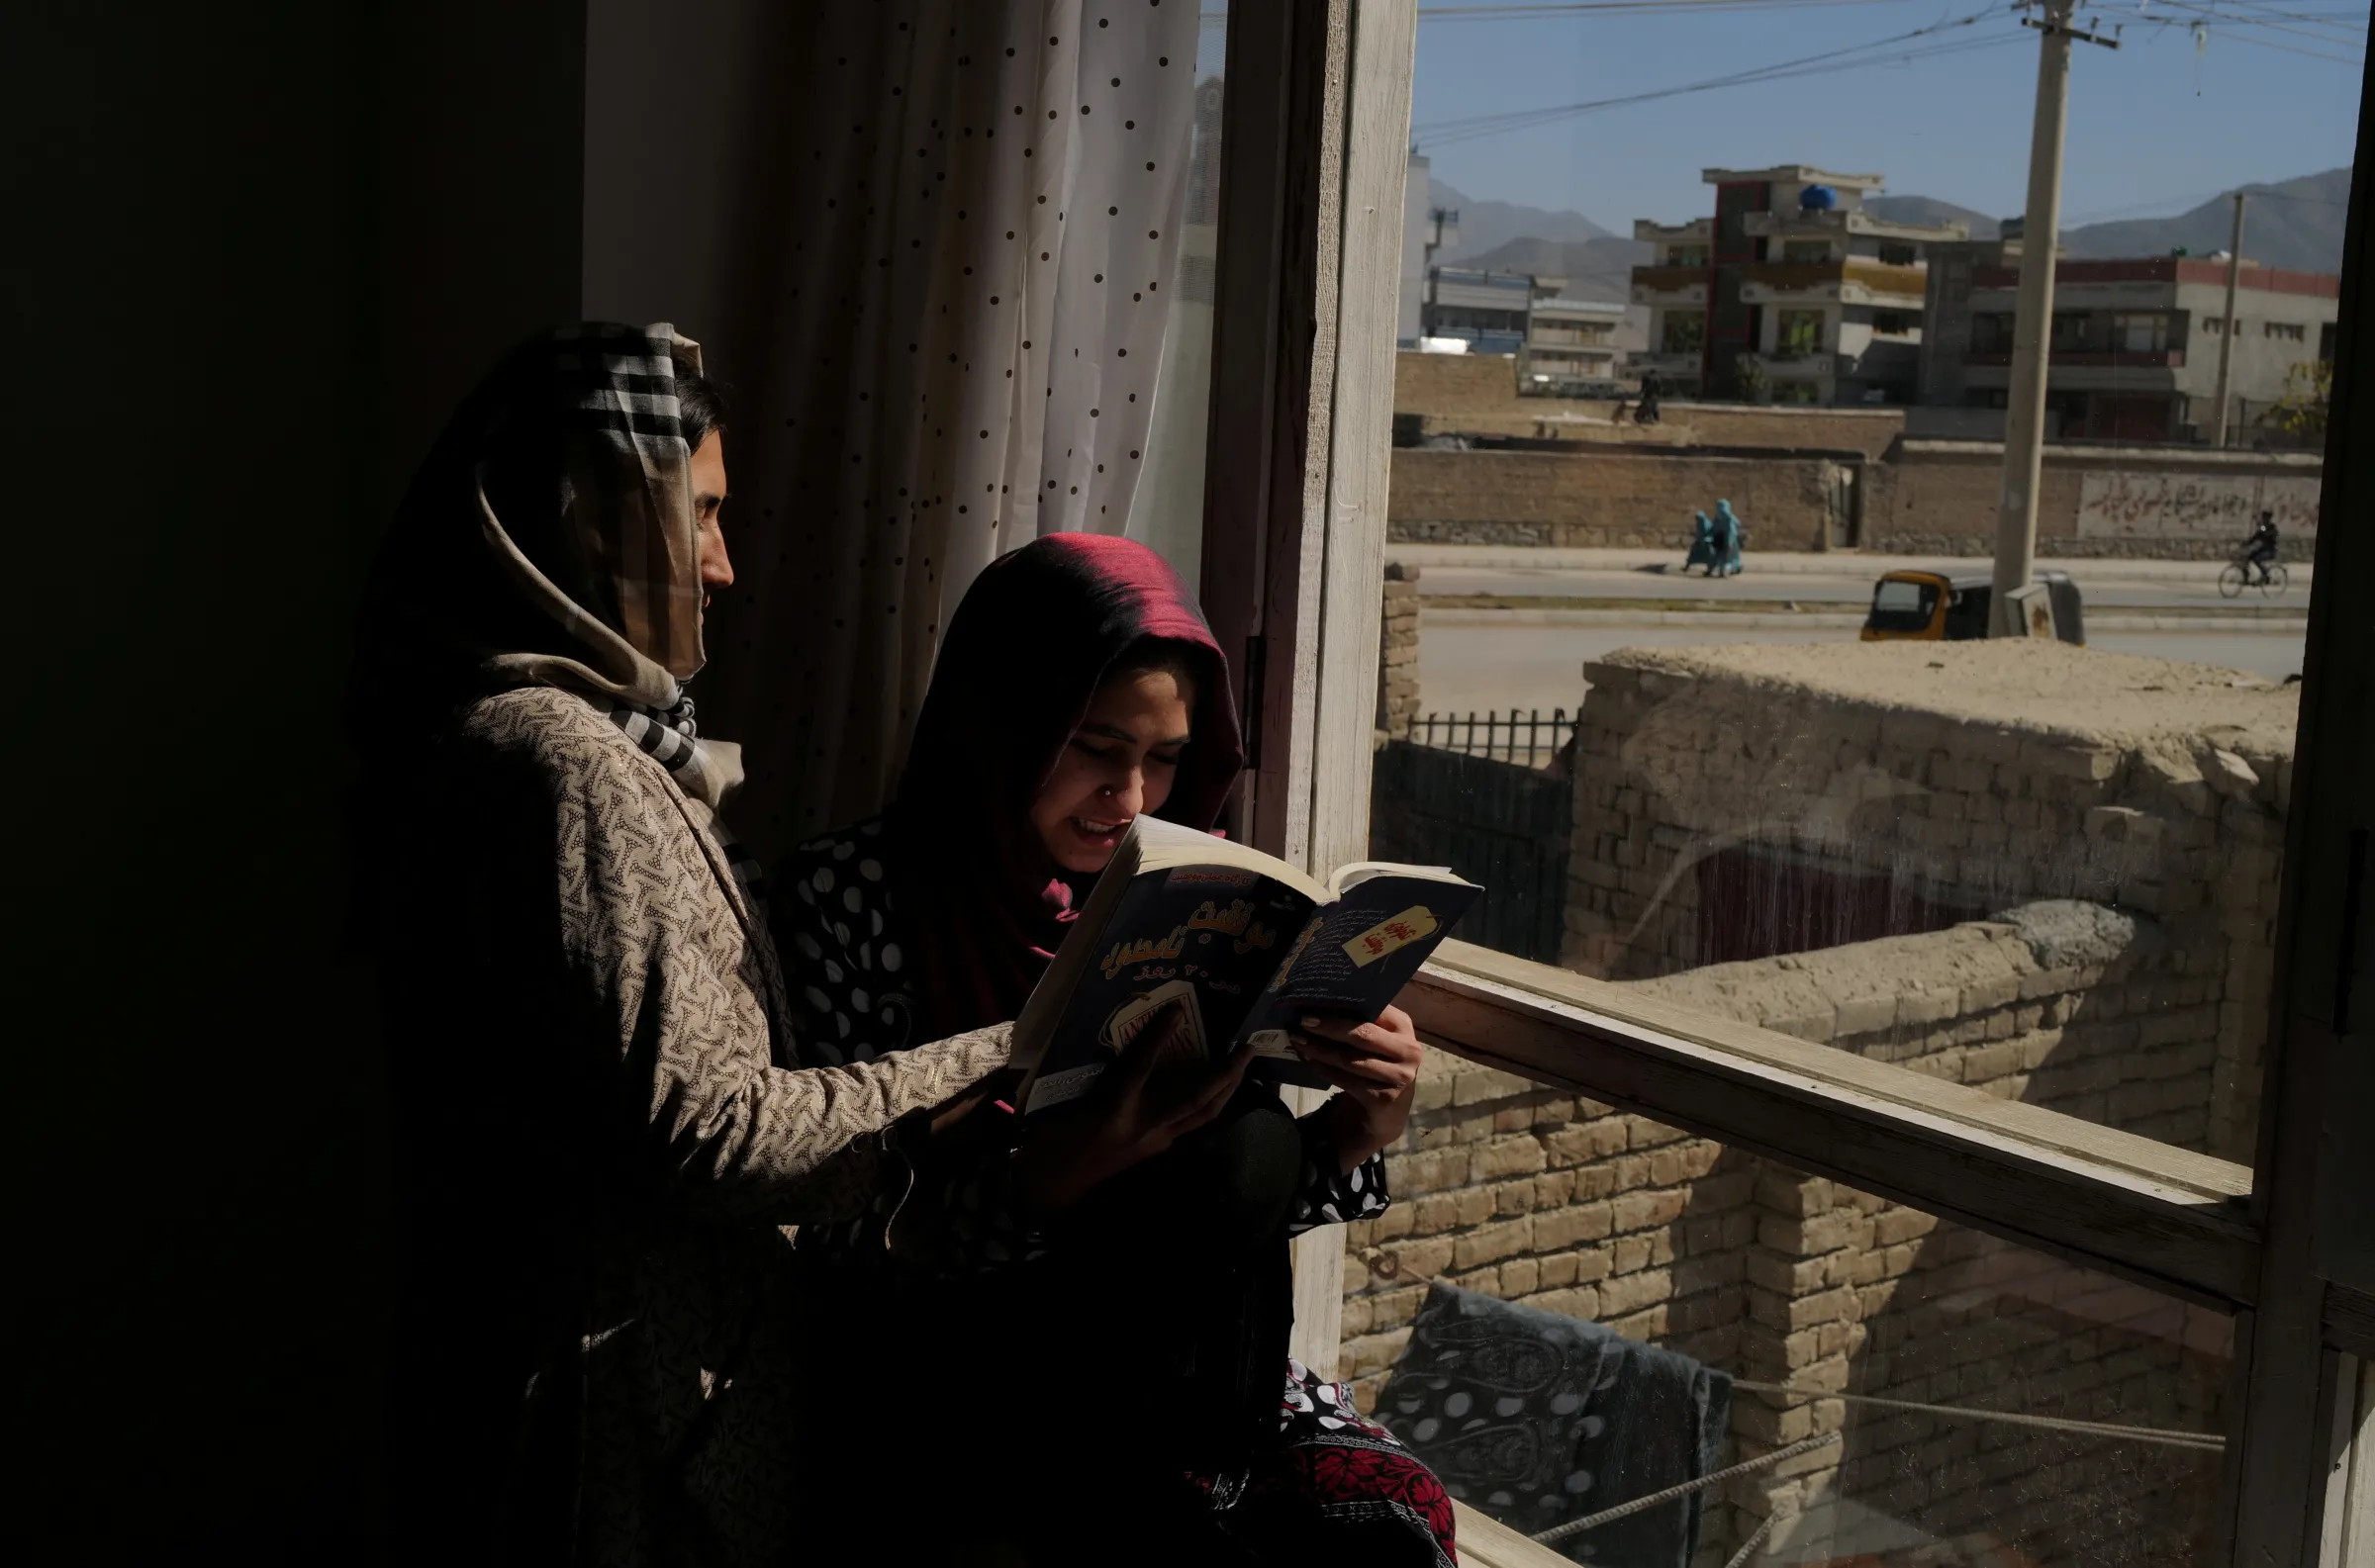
(1352, 875)
(1210, 932)
(1354, 956)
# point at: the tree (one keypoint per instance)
(1748, 372)
(2300, 411)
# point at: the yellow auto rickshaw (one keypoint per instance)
(1941, 605)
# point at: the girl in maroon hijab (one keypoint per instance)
(1135, 1249)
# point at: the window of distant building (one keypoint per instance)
(1683, 332)
(2069, 330)
(1991, 333)
(2141, 332)
(1893, 324)
(2286, 332)
(1686, 255)
(1806, 251)
(1897, 253)
(1799, 332)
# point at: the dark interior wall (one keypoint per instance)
(260, 250)
(679, 222)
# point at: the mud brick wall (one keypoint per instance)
(1620, 486)
(1776, 1276)
(1607, 497)
(1477, 393)
(1971, 776)
(1941, 497)
(2080, 1008)
(1398, 653)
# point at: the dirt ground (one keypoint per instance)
(2082, 693)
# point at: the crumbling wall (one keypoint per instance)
(1780, 1277)
(1608, 498)
(1968, 775)
(1398, 653)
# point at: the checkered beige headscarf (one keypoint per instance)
(549, 540)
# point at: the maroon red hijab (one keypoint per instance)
(1023, 656)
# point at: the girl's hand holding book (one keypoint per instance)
(1163, 1088)
(1374, 1067)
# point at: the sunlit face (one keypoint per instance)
(709, 500)
(1119, 761)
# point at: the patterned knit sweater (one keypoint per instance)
(603, 1135)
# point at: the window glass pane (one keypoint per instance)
(2045, 866)
(1884, 1346)
(1167, 511)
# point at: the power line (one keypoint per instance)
(2202, 17)
(2269, 11)
(1583, 8)
(1491, 125)
(1853, 58)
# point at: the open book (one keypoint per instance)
(1246, 942)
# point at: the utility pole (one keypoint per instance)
(2235, 276)
(2033, 319)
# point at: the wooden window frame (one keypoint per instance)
(1313, 142)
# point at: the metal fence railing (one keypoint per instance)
(1530, 738)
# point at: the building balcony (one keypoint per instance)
(1846, 221)
(1854, 281)
(1797, 364)
(1669, 285)
(1698, 232)
(1568, 337)
(2090, 358)
(1684, 364)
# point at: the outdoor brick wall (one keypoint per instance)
(1477, 393)
(1941, 498)
(1921, 498)
(1963, 776)
(1398, 654)
(1779, 1277)
(1612, 498)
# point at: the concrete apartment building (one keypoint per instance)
(1562, 346)
(2134, 348)
(1791, 282)
(1488, 311)
(1570, 346)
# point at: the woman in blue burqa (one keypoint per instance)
(1702, 545)
(1730, 535)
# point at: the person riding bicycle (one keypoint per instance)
(2260, 548)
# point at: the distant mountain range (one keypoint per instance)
(2294, 224)
(1503, 236)
(1930, 209)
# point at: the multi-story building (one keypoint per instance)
(1485, 309)
(2134, 354)
(1792, 291)
(1571, 345)
(1561, 345)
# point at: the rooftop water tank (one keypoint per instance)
(1817, 199)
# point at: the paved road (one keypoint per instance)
(1465, 667)
(2103, 586)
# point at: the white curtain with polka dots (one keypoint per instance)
(983, 200)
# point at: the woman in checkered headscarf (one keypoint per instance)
(602, 1130)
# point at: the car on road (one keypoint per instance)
(1948, 605)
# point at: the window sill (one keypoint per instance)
(2162, 1215)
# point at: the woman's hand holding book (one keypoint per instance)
(1374, 1067)
(1163, 1088)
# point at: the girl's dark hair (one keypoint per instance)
(1183, 661)
(699, 405)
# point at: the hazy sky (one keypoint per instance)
(2155, 126)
